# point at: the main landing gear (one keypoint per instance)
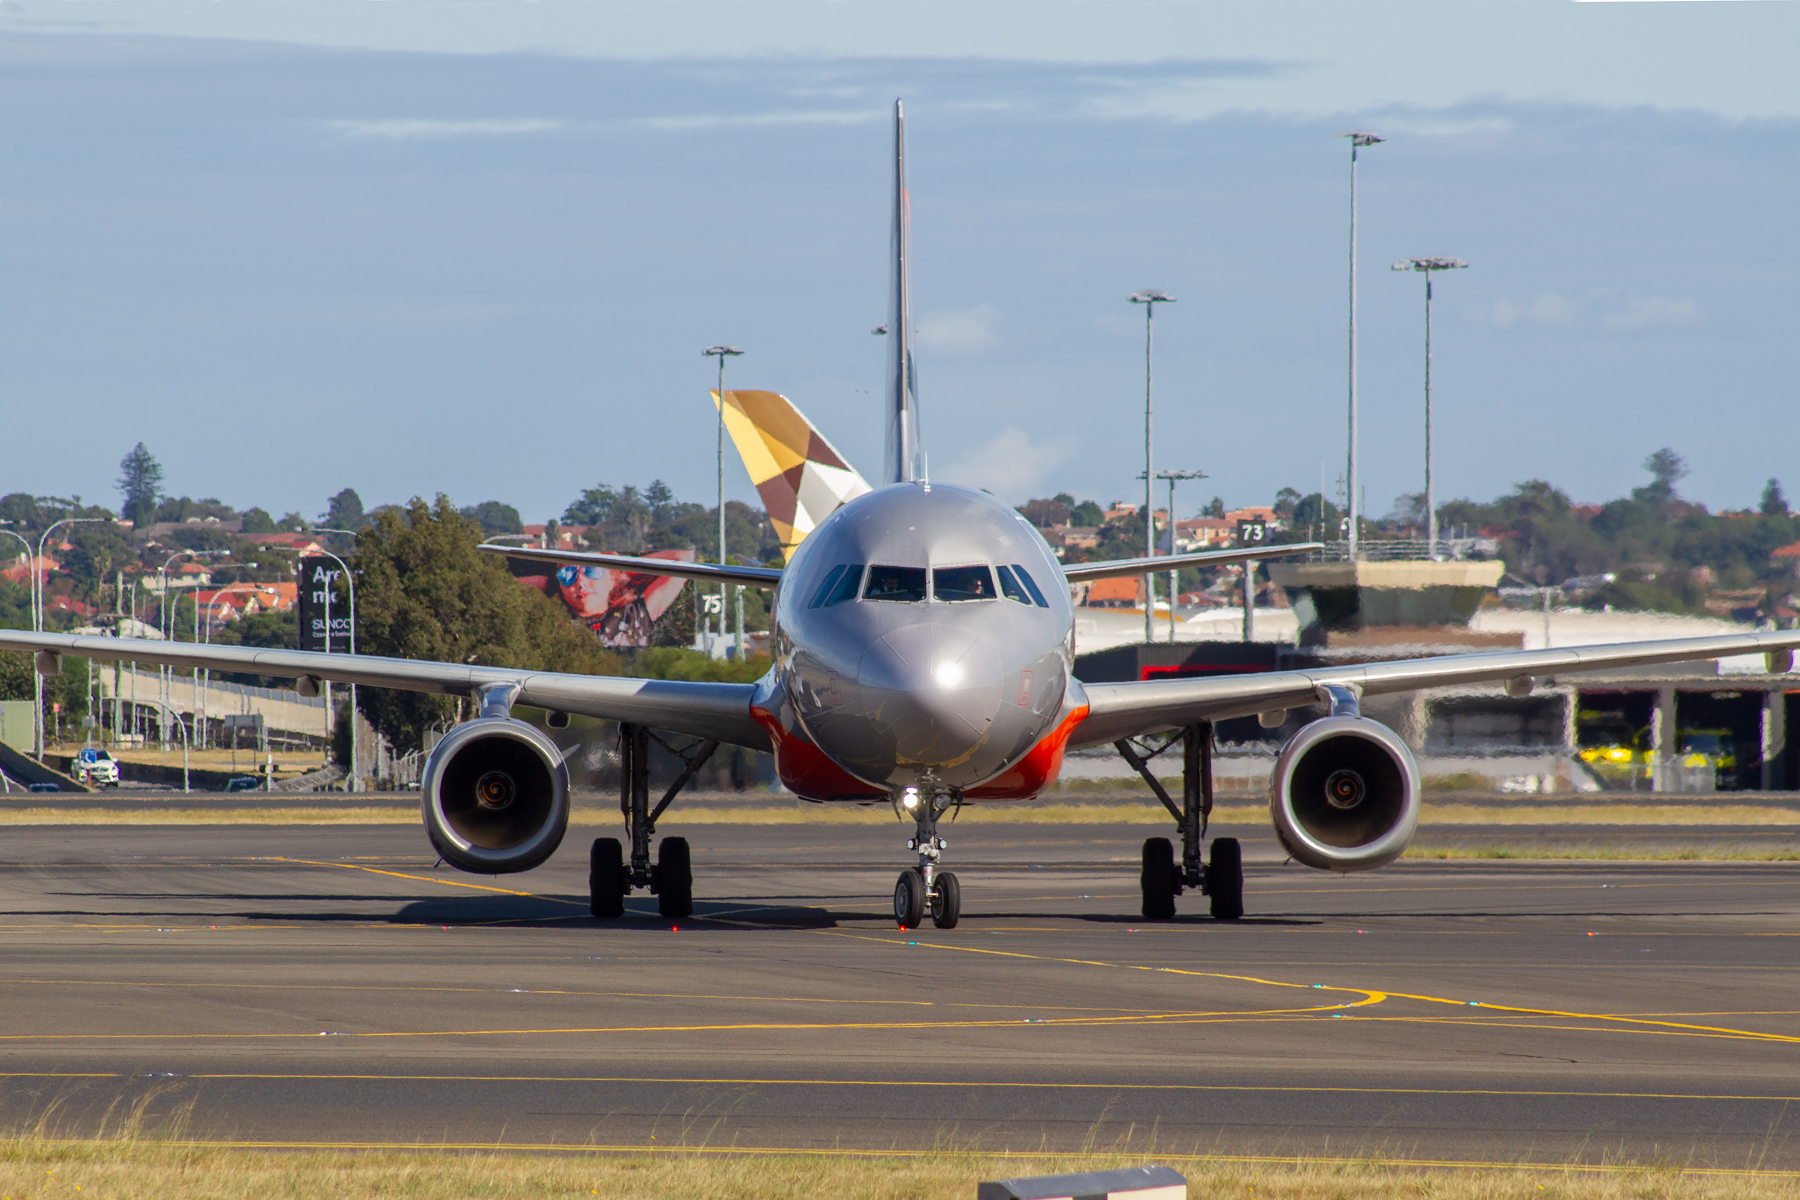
(671, 880)
(924, 887)
(1222, 877)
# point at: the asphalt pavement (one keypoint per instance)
(326, 984)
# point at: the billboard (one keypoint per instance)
(619, 606)
(318, 577)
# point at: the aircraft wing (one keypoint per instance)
(763, 577)
(1117, 710)
(708, 710)
(1082, 572)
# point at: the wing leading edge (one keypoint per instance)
(708, 710)
(1117, 710)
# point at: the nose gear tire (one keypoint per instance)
(1159, 879)
(909, 898)
(1225, 879)
(674, 878)
(606, 878)
(946, 901)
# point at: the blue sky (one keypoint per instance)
(477, 248)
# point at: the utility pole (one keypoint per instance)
(722, 353)
(1174, 575)
(1149, 299)
(1426, 266)
(1357, 141)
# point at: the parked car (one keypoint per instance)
(243, 783)
(95, 768)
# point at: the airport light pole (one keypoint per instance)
(722, 353)
(1149, 299)
(1358, 140)
(37, 624)
(165, 674)
(1426, 266)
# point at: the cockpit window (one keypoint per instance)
(1010, 587)
(1030, 586)
(839, 586)
(895, 583)
(837, 573)
(962, 583)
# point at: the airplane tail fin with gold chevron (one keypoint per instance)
(800, 476)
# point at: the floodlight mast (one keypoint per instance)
(1149, 298)
(722, 353)
(1426, 266)
(1358, 139)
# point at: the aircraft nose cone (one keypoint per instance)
(937, 689)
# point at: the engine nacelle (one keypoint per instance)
(1345, 795)
(495, 795)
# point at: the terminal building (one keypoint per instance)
(1696, 727)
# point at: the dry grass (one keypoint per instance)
(39, 1166)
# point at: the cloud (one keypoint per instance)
(412, 129)
(1548, 309)
(758, 120)
(1652, 312)
(1011, 466)
(965, 332)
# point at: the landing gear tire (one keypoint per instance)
(674, 878)
(909, 898)
(1225, 879)
(1159, 879)
(946, 901)
(606, 878)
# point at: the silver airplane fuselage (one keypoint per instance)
(921, 635)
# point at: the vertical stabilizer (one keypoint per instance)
(904, 459)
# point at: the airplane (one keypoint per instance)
(922, 643)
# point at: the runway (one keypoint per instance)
(326, 984)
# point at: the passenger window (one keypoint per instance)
(895, 583)
(1030, 586)
(962, 583)
(837, 573)
(846, 585)
(1010, 586)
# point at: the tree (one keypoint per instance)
(1046, 514)
(256, 520)
(424, 591)
(1666, 469)
(140, 483)
(1285, 501)
(1087, 515)
(344, 511)
(1773, 502)
(1216, 509)
(494, 517)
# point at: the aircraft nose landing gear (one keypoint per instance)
(925, 888)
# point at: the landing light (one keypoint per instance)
(910, 797)
(948, 674)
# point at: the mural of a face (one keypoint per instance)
(586, 590)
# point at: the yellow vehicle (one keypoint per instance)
(1615, 751)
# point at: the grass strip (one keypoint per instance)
(107, 1167)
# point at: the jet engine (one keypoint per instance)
(495, 795)
(1345, 795)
